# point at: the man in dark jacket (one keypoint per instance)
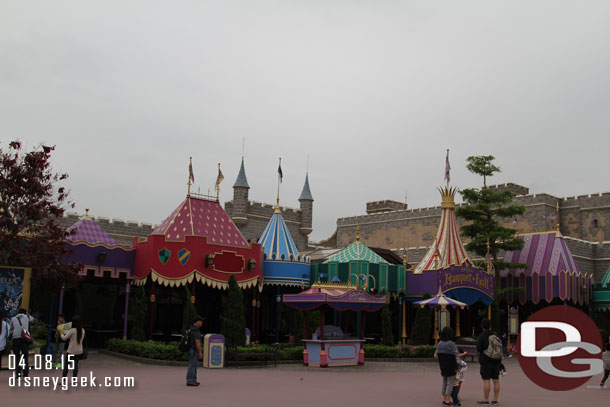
(195, 351)
(490, 368)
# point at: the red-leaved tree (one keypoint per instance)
(31, 201)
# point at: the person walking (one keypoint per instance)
(5, 330)
(447, 353)
(489, 346)
(74, 337)
(21, 348)
(195, 351)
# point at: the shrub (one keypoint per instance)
(422, 326)
(232, 319)
(386, 326)
(150, 350)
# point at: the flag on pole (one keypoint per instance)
(219, 178)
(279, 171)
(447, 168)
(191, 175)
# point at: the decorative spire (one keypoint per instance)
(447, 249)
(86, 215)
(306, 192)
(241, 181)
(357, 233)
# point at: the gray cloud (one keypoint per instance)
(374, 91)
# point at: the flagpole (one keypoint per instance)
(446, 168)
(188, 184)
(277, 206)
(218, 186)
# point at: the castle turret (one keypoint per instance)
(240, 197)
(306, 201)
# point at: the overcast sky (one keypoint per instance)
(374, 91)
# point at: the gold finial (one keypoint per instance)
(448, 197)
(86, 216)
(436, 259)
(404, 257)
(357, 233)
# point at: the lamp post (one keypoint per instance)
(278, 300)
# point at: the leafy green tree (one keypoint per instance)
(232, 319)
(386, 326)
(485, 207)
(422, 326)
(189, 310)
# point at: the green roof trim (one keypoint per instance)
(606, 279)
(356, 252)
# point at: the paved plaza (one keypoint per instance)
(393, 384)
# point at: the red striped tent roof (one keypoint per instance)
(204, 218)
(447, 249)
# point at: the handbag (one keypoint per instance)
(25, 334)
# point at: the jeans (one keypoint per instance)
(67, 364)
(191, 373)
(58, 350)
(455, 392)
(606, 374)
(20, 347)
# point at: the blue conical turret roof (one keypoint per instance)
(241, 181)
(306, 192)
(283, 264)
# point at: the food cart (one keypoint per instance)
(330, 346)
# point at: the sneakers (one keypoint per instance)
(193, 384)
(493, 403)
(483, 403)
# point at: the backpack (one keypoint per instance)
(185, 343)
(494, 349)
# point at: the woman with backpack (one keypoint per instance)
(74, 337)
(489, 346)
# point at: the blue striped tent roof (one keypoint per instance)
(277, 241)
(283, 264)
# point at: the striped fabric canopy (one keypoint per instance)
(447, 249)
(356, 251)
(440, 301)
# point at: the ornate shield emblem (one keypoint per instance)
(183, 256)
(164, 255)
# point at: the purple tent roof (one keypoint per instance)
(542, 252)
(337, 297)
(87, 230)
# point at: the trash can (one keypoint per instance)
(213, 351)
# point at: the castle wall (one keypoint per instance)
(585, 219)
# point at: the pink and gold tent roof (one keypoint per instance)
(447, 249)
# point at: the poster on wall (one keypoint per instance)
(11, 289)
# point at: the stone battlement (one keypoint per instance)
(387, 205)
